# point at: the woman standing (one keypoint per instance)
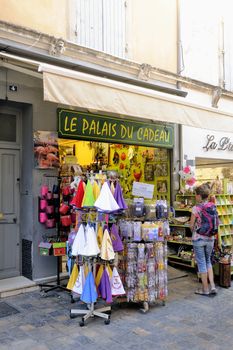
(203, 243)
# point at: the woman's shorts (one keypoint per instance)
(203, 250)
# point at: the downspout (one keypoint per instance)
(177, 150)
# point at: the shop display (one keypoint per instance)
(95, 245)
(180, 251)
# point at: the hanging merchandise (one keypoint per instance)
(118, 195)
(80, 282)
(107, 252)
(116, 284)
(96, 190)
(89, 294)
(106, 202)
(78, 197)
(88, 199)
(91, 245)
(73, 277)
(78, 246)
(100, 235)
(105, 287)
(116, 240)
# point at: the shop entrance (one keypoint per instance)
(9, 194)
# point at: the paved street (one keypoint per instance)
(187, 321)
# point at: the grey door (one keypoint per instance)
(9, 213)
(9, 193)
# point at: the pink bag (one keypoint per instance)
(50, 209)
(49, 195)
(43, 204)
(43, 217)
(66, 220)
(50, 223)
(44, 190)
(64, 208)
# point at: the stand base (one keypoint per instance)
(101, 312)
(52, 287)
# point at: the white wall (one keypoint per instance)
(195, 144)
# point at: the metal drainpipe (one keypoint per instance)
(177, 151)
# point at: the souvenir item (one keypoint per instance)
(80, 282)
(116, 284)
(73, 277)
(78, 247)
(116, 240)
(78, 197)
(88, 199)
(43, 217)
(43, 204)
(64, 209)
(118, 196)
(50, 223)
(106, 202)
(66, 220)
(105, 287)
(44, 190)
(89, 294)
(96, 190)
(107, 252)
(100, 236)
(91, 245)
(50, 209)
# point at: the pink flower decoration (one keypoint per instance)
(191, 181)
(187, 170)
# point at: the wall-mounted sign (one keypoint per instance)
(85, 126)
(223, 144)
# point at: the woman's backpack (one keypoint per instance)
(207, 219)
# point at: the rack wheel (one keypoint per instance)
(163, 302)
(71, 315)
(107, 321)
(81, 323)
(72, 300)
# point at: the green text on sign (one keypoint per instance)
(85, 126)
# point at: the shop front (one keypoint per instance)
(208, 157)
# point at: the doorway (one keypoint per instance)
(10, 141)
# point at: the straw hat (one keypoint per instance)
(105, 201)
(116, 284)
(80, 281)
(89, 294)
(107, 252)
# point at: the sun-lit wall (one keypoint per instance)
(153, 33)
(46, 16)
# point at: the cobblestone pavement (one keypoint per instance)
(187, 321)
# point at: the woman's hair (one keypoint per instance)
(203, 190)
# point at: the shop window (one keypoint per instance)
(100, 25)
(8, 127)
(133, 163)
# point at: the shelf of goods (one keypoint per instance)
(180, 251)
(183, 204)
(224, 203)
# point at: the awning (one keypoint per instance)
(97, 94)
(72, 88)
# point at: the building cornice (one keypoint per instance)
(33, 44)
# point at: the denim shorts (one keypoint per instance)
(203, 250)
